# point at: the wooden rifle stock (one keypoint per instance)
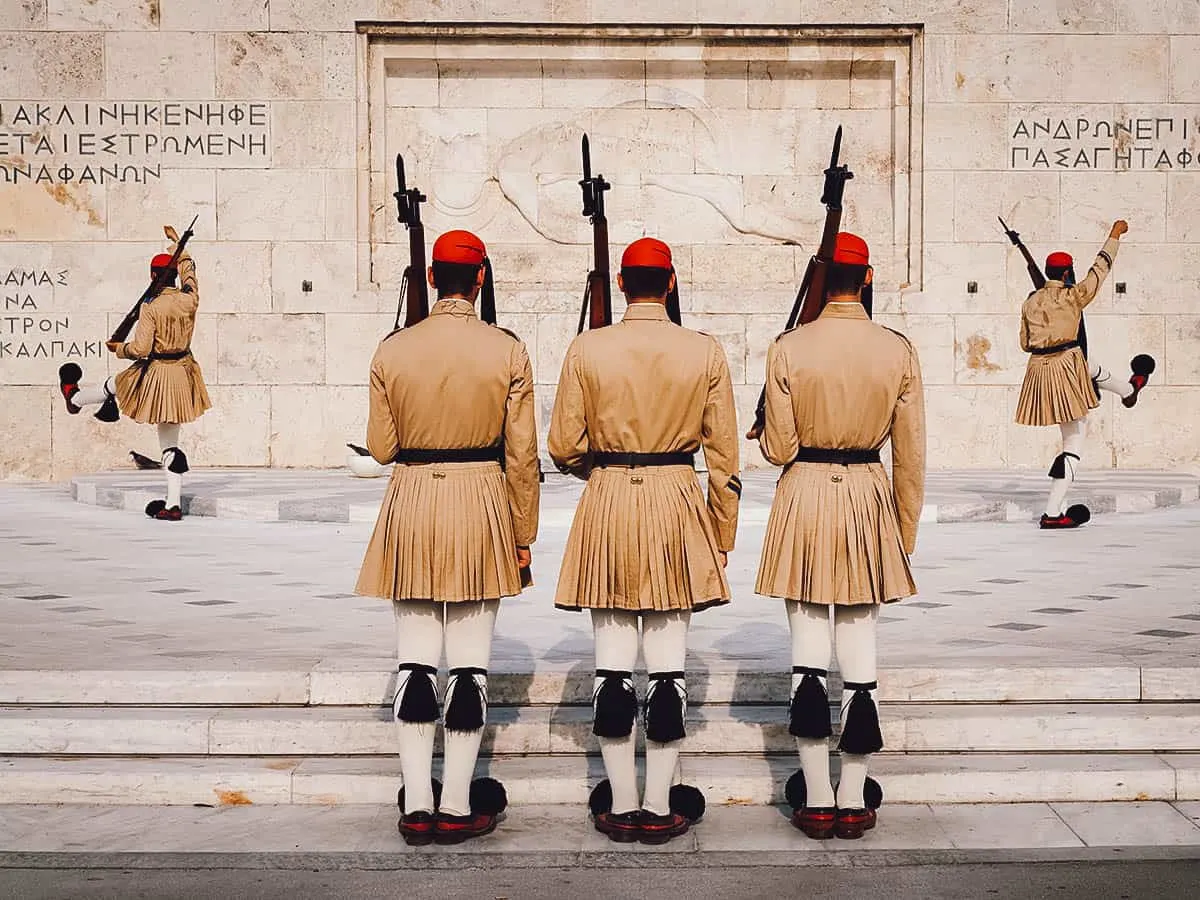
(810, 299)
(157, 283)
(414, 290)
(597, 294)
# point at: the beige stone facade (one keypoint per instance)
(278, 124)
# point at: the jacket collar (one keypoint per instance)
(453, 307)
(844, 311)
(647, 312)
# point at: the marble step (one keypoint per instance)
(349, 731)
(373, 685)
(731, 780)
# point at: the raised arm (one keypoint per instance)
(520, 448)
(1085, 291)
(719, 438)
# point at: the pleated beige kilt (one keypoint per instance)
(1057, 389)
(444, 533)
(642, 541)
(170, 391)
(833, 538)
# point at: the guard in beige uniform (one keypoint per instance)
(452, 407)
(164, 386)
(635, 402)
(1061, 384)
(839, 533)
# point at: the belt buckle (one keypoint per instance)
(635, 479)
(438, 473)
(835, 478)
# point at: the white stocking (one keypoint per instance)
(1073, 435)
(1106, 382)
(809, 625)
(418, 640)
(854, 635)
(469, 628)
(94, 394)
(664, 646)
(168, 436)
(616, 636)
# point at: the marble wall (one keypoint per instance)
(277, 123)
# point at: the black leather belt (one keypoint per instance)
(638, 460)
(1057, 348)
(451, 455)
(838, 457)
(181, 354)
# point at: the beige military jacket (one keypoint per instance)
(844, 382)
(454, 381)
(1050, 316)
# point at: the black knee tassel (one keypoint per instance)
(614, 704)
(1058, 468)
(465, 700)
(860, 728)
(665, 707)
(810, 705)
(416, 702)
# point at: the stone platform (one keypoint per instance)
(333, 495)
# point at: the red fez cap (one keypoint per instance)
(161, 261)
(460, 247)
(650, 253)
(851, 250)
(1059, 260)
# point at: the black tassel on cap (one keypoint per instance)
(810, 705)
(860, 728)
(665, 703)
(614, 704)
(416, 702)
(465, 699)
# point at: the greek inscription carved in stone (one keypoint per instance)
(1146, 143)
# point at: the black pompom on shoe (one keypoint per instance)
(687, 801)
(601, 799)
(487, 797)
(795, 792)
(154, 507)
(68, 383)
(1143, 366)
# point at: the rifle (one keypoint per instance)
(810, 299)
(157, 283)
(1039, 279)
(413, 287)
(597, 294)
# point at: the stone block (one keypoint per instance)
(589, 84)
(235, 432)
(204, 15)
(166, 65)
(1185, 74)
(987, 350)
(682, 214)
(559, 270)
(432, 10)
(1113, 340)
(235, 277)
(273, 205)
(314, 134)
(101, 278)
(411, 82)
(939, 206)
(178, 194)
(312, 423)
(1153, 287)
(322, 15)
(744, 265)
(876, 84)
(102, 15)
(1176, 17)
(341, 204)
(53, 212)
(933, 338)
(948, 268)
(1182, 362)
(28, 14)
(1089, 79)
(489, 84)
(1183, 225)
(747, 142)
(341, 66)
(24, 456)
(774, 300)
(330, 267)
(45, 64)
(554, 334)
(697, 84)
(1092, 201)
(80, 443)
(1063, 16)
(451, 138)
(350, 344)
(730, 331)
(792, 85)
(966, 424)
(270, 66)
(966, 136)
(1028, 202)
(275, 349)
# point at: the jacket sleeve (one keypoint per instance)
(143, 337)
(908, 452)
(1024, 332)
(719, 437)
(383, 439)
(1085, 292)
(779, 441)
(520, 448)
(568, 438)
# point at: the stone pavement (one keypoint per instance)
(362, 836)
(333, 495)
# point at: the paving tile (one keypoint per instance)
(1128, 824)
(978, 826)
